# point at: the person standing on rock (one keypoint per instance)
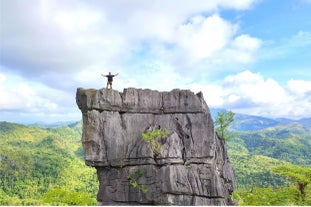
(110, 79)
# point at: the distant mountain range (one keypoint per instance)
(53, 124)
(243, 122)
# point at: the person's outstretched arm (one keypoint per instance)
(116, 74)
(104, 75)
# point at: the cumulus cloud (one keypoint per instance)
(203, 46)
(242, 49)
(255, 88)
(300, 87)
(22, 101)
(22, 97)
(61, 45)
(202, 36)
(251, 93)
(70, 37)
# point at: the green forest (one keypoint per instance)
(257, 156)
(45, 165)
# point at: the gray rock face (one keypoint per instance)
(192, 167)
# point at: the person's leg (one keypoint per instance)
(107, 85)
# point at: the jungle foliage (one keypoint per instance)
(45, 166)
(271, 162)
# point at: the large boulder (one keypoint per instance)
(192, 167)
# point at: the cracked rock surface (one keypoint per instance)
(193, 167)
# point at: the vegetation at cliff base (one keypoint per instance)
(270, 161)
(44, 166)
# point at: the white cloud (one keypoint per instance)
(203, 36)
(22, 97)
(255, 88)
(155, 75)
(212, 93)
(251, 93)
(72, 36)
(299, 87)
(242, 49)
(238, 4)
(61, 45)
(204, 46)
(29, 102)
(76, 21)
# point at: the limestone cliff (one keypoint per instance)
(192, 168)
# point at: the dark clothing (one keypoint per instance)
(110, 77)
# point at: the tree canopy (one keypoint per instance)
(300, 175)
(223, 120)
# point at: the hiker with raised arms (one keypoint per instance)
(110, 79)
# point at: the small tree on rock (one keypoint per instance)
(223, 120)
(153, 137)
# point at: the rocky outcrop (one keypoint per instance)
(192, 167)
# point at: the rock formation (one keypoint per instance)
(192, 167)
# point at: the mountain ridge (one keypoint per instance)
(245, 122)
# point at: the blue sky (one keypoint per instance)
(248, 56)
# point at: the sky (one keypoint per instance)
(247, 56)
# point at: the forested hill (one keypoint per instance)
(256, 146)
(256, 151)
(45, 166)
